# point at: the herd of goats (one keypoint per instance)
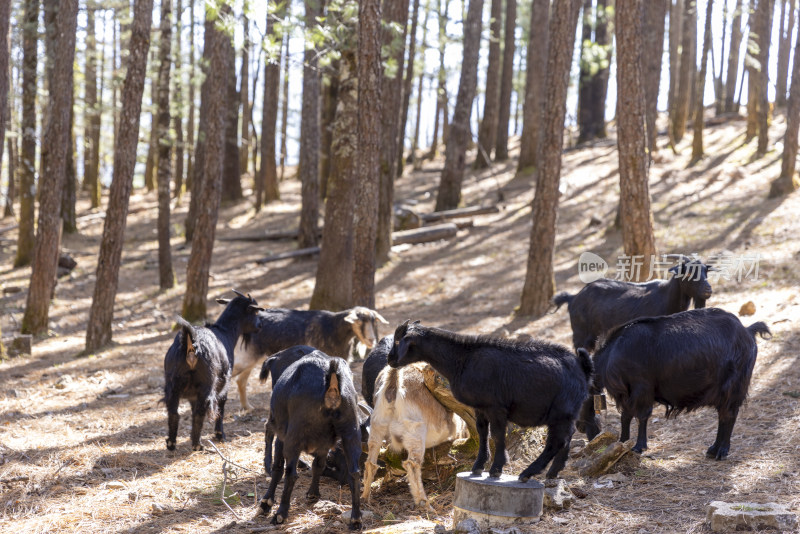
(648, 347)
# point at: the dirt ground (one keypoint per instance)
(82, 437)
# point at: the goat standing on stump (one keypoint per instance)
(314, 403)
(279, 329)
(530, 383)
(685, 361)
(198, 366)
(409, 416)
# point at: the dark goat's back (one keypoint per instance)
(276, 364)
(373, 365)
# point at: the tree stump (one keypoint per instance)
(497, 502)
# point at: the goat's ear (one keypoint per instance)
(376, 315)
(677, 269)
(351, 317)
(256, 308)
(223, 301)
(416, 322)
(402, 348)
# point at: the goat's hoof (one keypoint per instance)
(495, 473)
(219, 436)
(524, 478)
(355, 524)
(170, 445)
(278, 519)
(197, 447)
(477, 472)
(312, 497)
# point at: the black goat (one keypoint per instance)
(279, 329)
(530, 383)
(373, 365)
(685, 361)
(198, 366)
(336, 465)
(314, 404)
(605, 304)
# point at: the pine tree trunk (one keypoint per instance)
(539, 279)
(231, 172)
(190, 127)
(506, 83)
(407, 85)
(178, 99)
(449, 194)
(636, 217)
(687, 67)
(487, 133)
(27, 177)
(788, 182)
(91, 137)
(536, 73)
(55, 145)
(330, 94)
(69, 197)
(152, 148)
(310, 138)
(733, 59)
(441, 88)
(333, 289)
(367, 167)
(420, 89)
(655, 14)
(675, 37)
(244, 95)
(11, 191)
(719, 89)
(214, 101)
(600, 81)
(750, 62)
(697, 141)
(98, 331)
(284, 113)
(585, 76)
(267, 180)
(395, 11)
(5, 106)
(764, 18)
(166, 277)
(784, 49)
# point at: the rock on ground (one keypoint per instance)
(727, 517)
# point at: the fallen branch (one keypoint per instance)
(225, 462)
(267, 236)
(440, 388)
(299, 253)
(425, 234)
(458, 213)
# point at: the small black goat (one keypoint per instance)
(530, 383)
(605, 304)
(373, 365)
(279, 329)
(685, 361)
(198, 366)
(314, 404)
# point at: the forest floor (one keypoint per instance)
(82, 437)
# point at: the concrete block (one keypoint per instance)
(497, 502)
(727, 517)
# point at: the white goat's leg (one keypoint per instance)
(241, 383)
(371, 465)
(413, 466)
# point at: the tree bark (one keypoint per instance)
(407, 84)
(27, 177)
(244, 95)
(330, 94)
(449, 194)
(55, 145)
(231, 172)
(395, 13)
(676, 10)
(784, 51)
(420, 89)
(166, 277)
(98, 331)
(487, 133)
(506, 82)
(441, 89)
(636, 217)
(733, 59)
(69, 197)
(539, 279)
(536, 72)
(267, 181)
(190, 159)
(687, 67)
(178, 99)
(697, 141)
(91, 137)
(216, 91)
(788, 182)
(8, 210)
(655, 13)
(310, 138)
(719, 90)
(585, 75)
(284, 110)
(333, 288)
(367, 167)
(764, 19)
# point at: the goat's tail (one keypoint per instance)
(587, 365)
(759, 328)
(562, 298)
(333, 398)
(191, 335)
(265, 369)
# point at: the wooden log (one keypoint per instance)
(265, 236)
(425, 234)
(440, 388)
(458, 213)
(299, 253)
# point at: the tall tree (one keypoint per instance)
(487, 133)
(680, 110)
(420, 88)
(366, 169)
(636, 217)
(91, 137)
(506, 82)
(310, 136)
(166, 277)
(539, 279)
(395, 15)
(330, 91)
(784, 50)
(441, 89)
(267, 180)
(244, 90)
(231, 172)
(449, 194)
(676, 10)
(655, 13)
(697, 141)
(408, 81)
(5, 77)
(190, 144)
(535, 75)
(761, 80)
(733, 59)
(69, 196)
(595, 62)
(177, 99)
(284, 110)
(719, 90)
(55, 146)
(214, 101)
(27, 177)
(788, 182)
(98, 331)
